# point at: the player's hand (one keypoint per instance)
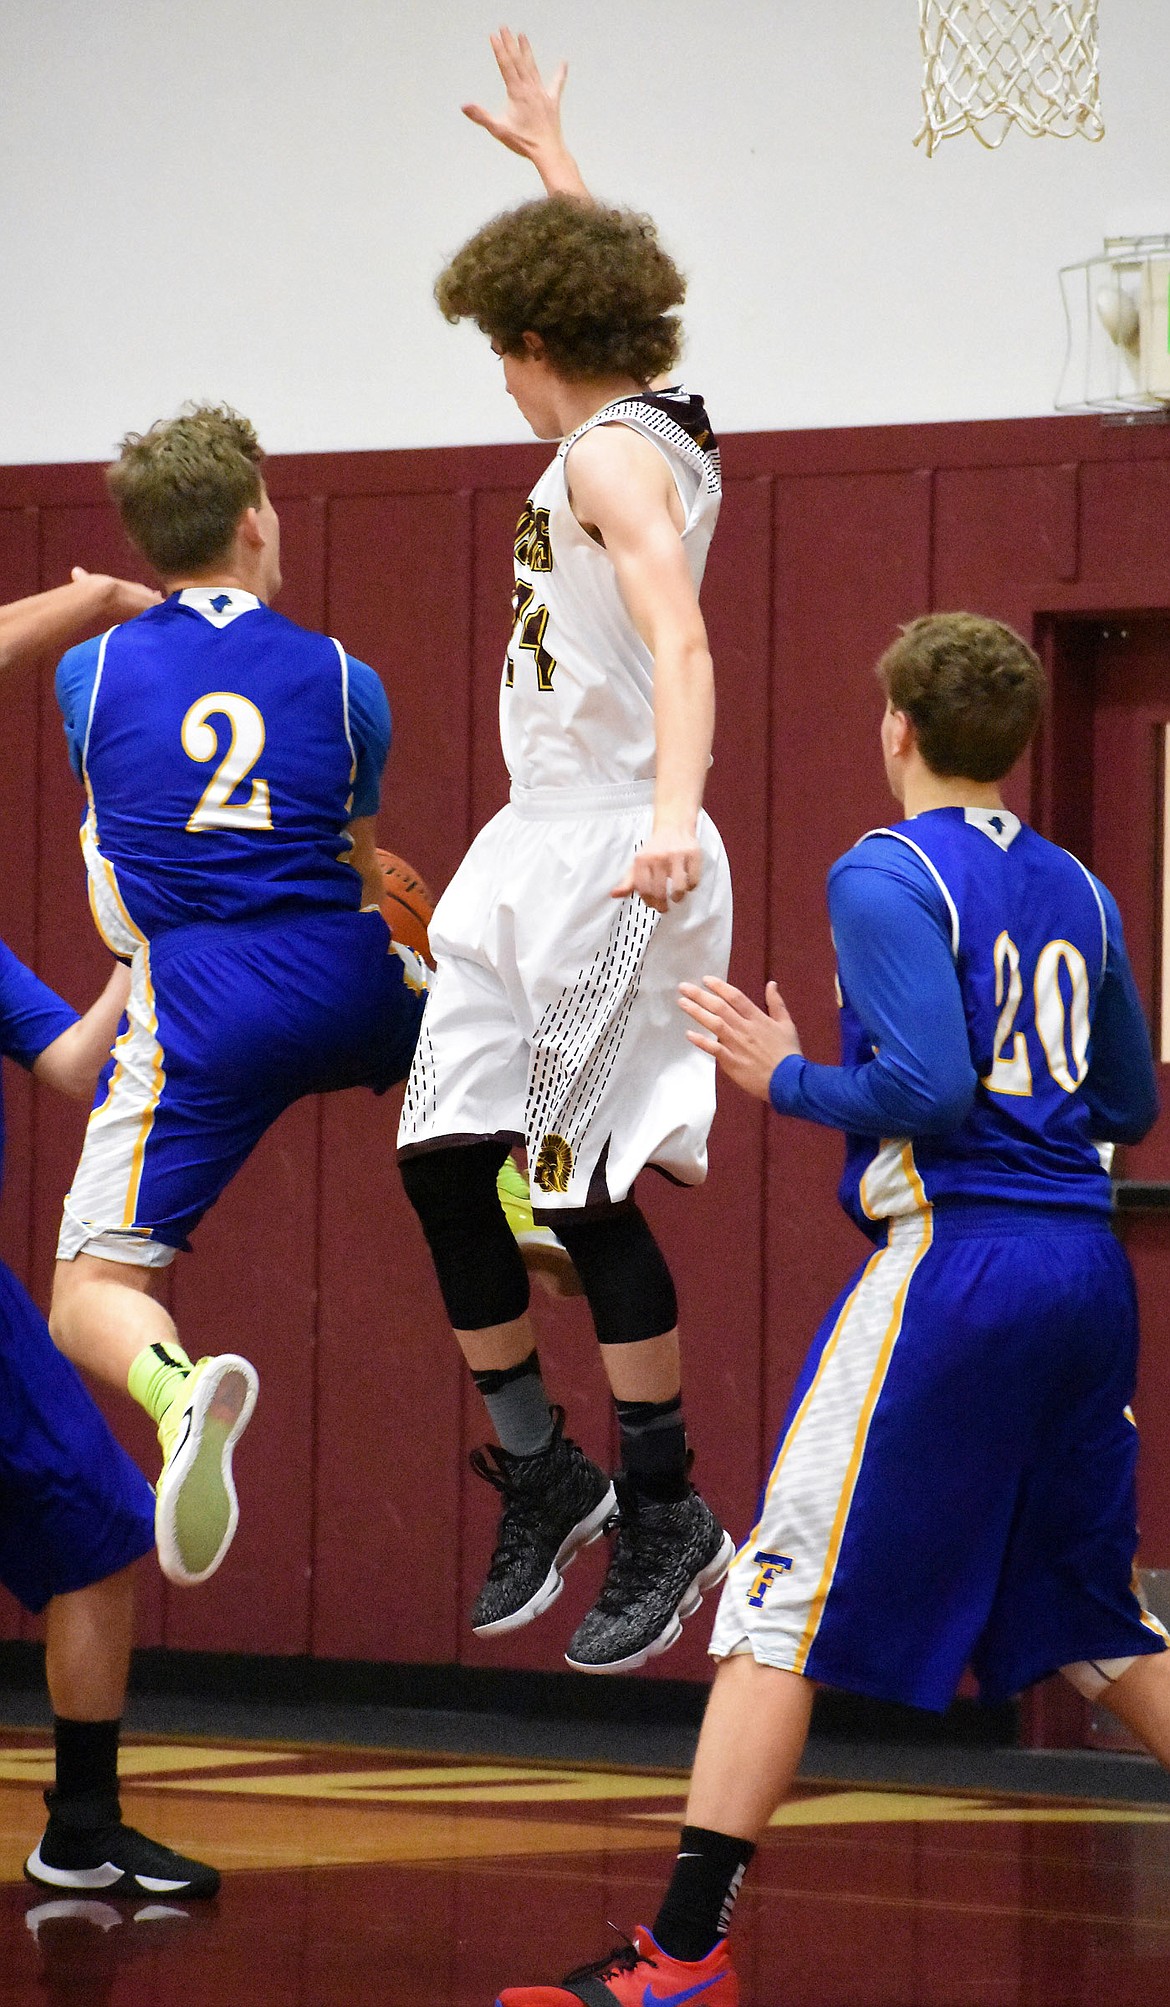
(666, 868)
(122, 597)
(531, 119)
(747, 1043)
(530, 123)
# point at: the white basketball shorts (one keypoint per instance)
(553, 1019)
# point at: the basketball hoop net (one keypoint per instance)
(994, 63)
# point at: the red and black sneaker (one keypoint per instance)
(638, 1974)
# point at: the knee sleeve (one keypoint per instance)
(1094, 1677)
(480, 1268)
(622, 1269)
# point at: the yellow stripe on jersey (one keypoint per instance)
(794, 1426)
(157, 1081)
(877, 1381)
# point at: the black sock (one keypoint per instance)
(83, 1804)
(87, 1759)
(654, 1447)
(519, 1407)
(696, 1909)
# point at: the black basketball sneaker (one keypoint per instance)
(667, 1555)
(85, 1849)
(555, 1503)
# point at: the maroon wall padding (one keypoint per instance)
(363, 1533)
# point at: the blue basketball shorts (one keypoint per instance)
(73, 1507)
(226, 1026)
(955, 1480)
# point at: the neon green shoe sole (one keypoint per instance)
(545, 1258)
(196, 1510)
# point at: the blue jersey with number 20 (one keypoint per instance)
(991, 1027)
(222, 752)
(1027, 928)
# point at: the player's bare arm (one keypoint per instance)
(363, 856)
(622, 493)
(747, 1042)
(48, 622)
(530, 123)
(73, 1061)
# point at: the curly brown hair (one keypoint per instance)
(972, 689)
(593, 283)
(182, 487)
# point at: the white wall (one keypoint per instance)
(249, 199)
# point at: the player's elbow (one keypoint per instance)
(68, 1068)
(1133, 1124)
(946, 1107)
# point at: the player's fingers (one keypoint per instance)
(718, 1017)
(511, 66)
(775, 1002)
(739, 1003)
(706, 1018)
(79, 572)
(650, 877)
(557, 86)
(479, 116)
(704, 1044)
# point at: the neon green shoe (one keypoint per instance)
(196, 1511)
(544, 1256)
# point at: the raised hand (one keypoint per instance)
(747, 1043)
(530, 123)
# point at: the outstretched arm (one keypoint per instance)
(530, 123)
(50, 621)
(73, 1061)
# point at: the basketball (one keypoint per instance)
(407, 903)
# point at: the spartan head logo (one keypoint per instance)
(554, 1165)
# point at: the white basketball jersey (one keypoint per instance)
(577, 697)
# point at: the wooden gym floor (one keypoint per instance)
(373, 1878)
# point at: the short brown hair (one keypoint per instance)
(182, 487)
(972, 689)
(593, 283)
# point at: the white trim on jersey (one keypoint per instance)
(1100, 905)
(934, 872)
(99, 1215)
(801, 1529)
(97, 677)
(343, 658)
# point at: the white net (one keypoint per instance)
(990, 64)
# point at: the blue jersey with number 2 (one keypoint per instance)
(990, 1030)
(224, 750)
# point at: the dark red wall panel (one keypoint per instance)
(363, 1532)
(852, 561)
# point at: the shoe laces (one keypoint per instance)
(624, 1958)
(499, 1469)
(633, 1556)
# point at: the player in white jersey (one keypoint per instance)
(579, 908)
